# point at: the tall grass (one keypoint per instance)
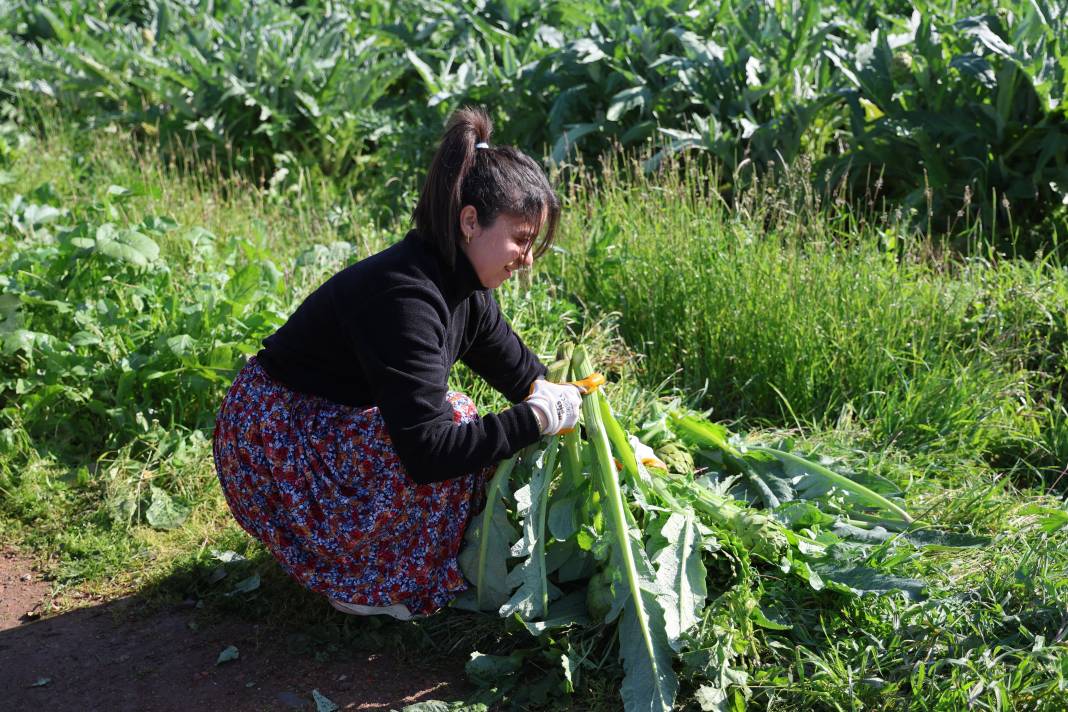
(774, 311)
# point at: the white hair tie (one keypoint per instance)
(481, 144)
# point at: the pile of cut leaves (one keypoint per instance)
(601, 536)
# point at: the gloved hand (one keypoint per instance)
(556, 405)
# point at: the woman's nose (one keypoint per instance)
(528, 258)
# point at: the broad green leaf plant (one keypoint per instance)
(608, 541)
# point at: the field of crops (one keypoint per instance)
(951, 113)
(854, 404)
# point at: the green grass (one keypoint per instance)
(944, 376)
(779, 313)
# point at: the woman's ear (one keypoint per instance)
(469, 226)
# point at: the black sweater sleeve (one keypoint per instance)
(408, 374)
(499, 356)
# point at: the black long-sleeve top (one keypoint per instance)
(386, 331)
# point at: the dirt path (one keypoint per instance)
(21, 590)
(89, 659)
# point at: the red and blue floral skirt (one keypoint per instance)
(321, 486)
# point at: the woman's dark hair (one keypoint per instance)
(495, 180)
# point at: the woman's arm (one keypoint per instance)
(498, 355)
(408, 375)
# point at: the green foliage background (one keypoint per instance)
(951, 112)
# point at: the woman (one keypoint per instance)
(339, 446)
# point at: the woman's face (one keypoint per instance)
(497, 250)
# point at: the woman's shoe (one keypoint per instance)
(397, 610)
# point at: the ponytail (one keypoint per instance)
(467, 171)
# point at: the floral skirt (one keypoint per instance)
(321, 486)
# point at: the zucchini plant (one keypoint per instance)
(593, 530)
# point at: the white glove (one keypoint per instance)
(556, 404)
(645, 454)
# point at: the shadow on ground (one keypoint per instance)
(148, 652)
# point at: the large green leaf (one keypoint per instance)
(680, 574)
(126, 245)
(484, 558)
(243, 287)
(489, 670)
(163, 512)
(569, 139)
(763, 481)
(566, 611)
(529, 578)
(649, 683)
(865, 494)
(10, 313)
(624, 101)
(563, 517)
(861, 580)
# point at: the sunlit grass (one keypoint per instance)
(773, 314)
(940, 374)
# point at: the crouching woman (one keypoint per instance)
(339, 445)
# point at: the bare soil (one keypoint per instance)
(22, 591)
(97, 658)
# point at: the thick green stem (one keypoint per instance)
(598, 438)
(549, 466)
(841, 481)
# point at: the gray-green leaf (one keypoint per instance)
(711, 698)
(680, 576)
(163, 512)
(569, 610)
(246, 585)
(861, 580)
(181, 345)
(227, 655)
(484, 558)
(563, 519)
(323, 703)
(649, 683)
(489, 670)
(126, 245)
(533, 592)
